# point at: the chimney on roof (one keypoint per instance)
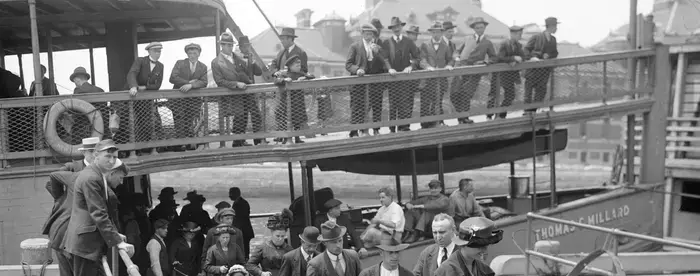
(304, 18)
(332, 29)
(477, 3)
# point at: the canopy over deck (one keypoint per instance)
(79, 24)
(459, 156)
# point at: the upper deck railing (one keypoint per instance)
(167, 119)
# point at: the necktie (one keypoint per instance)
(309, 258)
(338, 267)
(193, 67)
(284, 58)
(478, 39)
(444, 255)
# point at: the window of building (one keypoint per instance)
(595, 155)
(689, 204)
(582, 129)
(606, 157)
(573, 155)
(584, 157)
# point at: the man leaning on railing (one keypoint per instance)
(510, 51)
(540, 46)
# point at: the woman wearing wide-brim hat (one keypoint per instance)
(224, 253)
(186, 252)
(473, 239)
(267, 258)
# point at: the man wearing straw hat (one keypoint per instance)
(87, 149)
(343, 262)
(540, 47)
(389, 266)
(80, 77)
(92, 228)
(473, 239)
(294, 262)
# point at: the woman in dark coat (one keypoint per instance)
(186, 252)
(223, 254)
(266, 259)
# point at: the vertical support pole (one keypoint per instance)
(528, 241)
(632, 80)
(49, 54)
(655, 122)
(441, 168)
(35, 49)
(533, 196)
(2, 55)
(291, 181)
(414, 175)
(512, 168)
(676, 110)
(222, 126)
(21, 71)
(306, 193)
(92, 63)
(115, 261)
(312, 196)
(614, 245)
(398, 189)
(553, 200)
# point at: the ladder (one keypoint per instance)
(549, 149)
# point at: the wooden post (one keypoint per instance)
(35, 49)
(2, 55)
(291, 181)
(21, 71)
(398, 188)
(631, 85)
(306, 193)
(441, 168)
(414, 174)
(49, 54)
(655, 122)
(678, 95)
(222, 128)
(92, 64)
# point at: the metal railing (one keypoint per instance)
(612, 231)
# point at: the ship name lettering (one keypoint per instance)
(557, 230)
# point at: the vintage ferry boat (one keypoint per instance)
(35, 141)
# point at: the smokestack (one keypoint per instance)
(304, 18)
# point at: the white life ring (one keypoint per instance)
(51, 118)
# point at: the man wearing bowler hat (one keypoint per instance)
(389, 266)
(540, 47)
(403, 55)
(294, 262)
(343, 262)
(510, 51)
(80, 77)
(87, 150)
(232, 72)
(290, 49)
(187, 74)
(474, 237)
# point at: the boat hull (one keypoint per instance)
(631, 210)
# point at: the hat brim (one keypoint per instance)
(308, 241)
(393, 248)
(482, 22)
(395, 25)
(193, 47)
(289, 35)
(79, 74)
(343, 230)
(451, 27)
(226, 42)
(436, 29)
(460, 242)
(90, 147)
(154, 48)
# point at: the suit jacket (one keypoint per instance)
(60, 186)
(535, 47)
(357, 59)
(242, 218)
(509, 49)
(455, 266)
(473, 52)
(375, 270)
(437, 59)
(87, 88)
(92, 227)
(216, 257)
(401, 54)
(351, 237)
(278, 63)
(227, 74)
(294, 264)
(182, 75)
(140, 74)
(427, 261)
(46, 85)
(321, 265)
(188, 256)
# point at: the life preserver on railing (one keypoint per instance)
(51, 120)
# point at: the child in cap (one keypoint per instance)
(296, 98)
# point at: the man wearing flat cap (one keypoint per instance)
(540, 47)
(232, 72)
(363, 58)
(510, 51)
(187, 74)
(93, 222)
(146, 73)
(474, 237)
(389, 266)
(294, 262)
(343, 262)
(351, 238)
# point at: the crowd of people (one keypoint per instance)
(372, 54)
(93, 212)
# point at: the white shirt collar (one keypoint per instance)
(385, 272)
(333, 257)
(450, 249)
(398, 38)
(289, 50)
(86, 163)
(331, 218)
(303, 253)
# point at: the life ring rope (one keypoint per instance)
(74, 107)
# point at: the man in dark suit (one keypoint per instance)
(146, 73)
(391, 250)
(540, 46)
(290, 49)
(10, 85)
(242, 218)
(435, 254)
(48, 87)
(342, 262)
(93, 228)
(363, 58)
(87, 150)
(81, 77)
(477, 50)
(187, 74)
(435, 54)
(510, 51)
(60, 186)
(351, 238)
(253, 70)
(403, 55)
(294, 262)
(232, 72)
